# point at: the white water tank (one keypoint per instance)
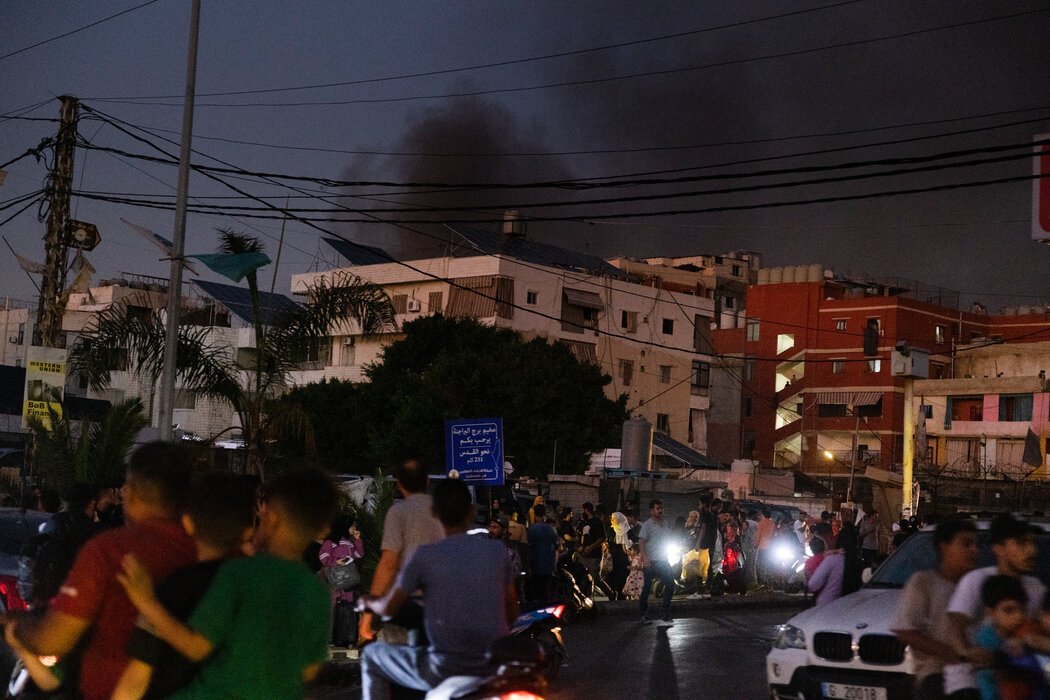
(789, 274)
(816, 273)
(636, 444)
(763, 276)
(776, 275)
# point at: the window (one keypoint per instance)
(749, 369)
(701, 378)
(964, 408)
(629, 321)
(838, 366)
(785, 341)
(730, 302)
(736, 270)
(626, 372)
(663, 423)
(871, 337)
(590, 317)
(1015, 408)
(531, 297)
(874, 366)
(665, 374)
(668, 326)
(400, 302)
(185, 399)
(752, 329)
(748, 406)
(832, 410)
(840, 324)
(749, 445)
(21, 333)
(702, 334)
(871, 411)
(940, 334)
(937, 371)
(434, 302)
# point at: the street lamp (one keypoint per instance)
(849, 487)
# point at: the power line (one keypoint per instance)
(496, 64)
(645, 149)
(936, 167)
(79, 29)
(595, 81)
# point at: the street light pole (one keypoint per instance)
(167, 379)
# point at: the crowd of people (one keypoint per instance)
(168, 603)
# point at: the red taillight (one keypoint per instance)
(558, 610)
(9, 593)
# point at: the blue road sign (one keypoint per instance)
(474, 450)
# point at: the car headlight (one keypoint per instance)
(789, 637)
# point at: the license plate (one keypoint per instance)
(852, 692)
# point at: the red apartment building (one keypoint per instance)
(815, 376)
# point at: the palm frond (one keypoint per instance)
(233, 242)
(123, 337)
(109, 441)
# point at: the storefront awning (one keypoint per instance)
(857, 398)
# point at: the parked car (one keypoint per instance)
(845, 649)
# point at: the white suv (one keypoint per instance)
(845, 649)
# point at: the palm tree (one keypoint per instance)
(282, 342)
(91, 452)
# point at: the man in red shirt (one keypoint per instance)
(91, 601)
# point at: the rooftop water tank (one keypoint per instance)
(637, 444)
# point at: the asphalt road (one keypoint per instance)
(715, 649)
(708, 653)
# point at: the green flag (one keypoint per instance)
(233, 265)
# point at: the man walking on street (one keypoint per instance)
(653, 539)
(764, 543)
(592, 537)
(543, 557)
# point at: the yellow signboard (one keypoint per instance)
(45, 384)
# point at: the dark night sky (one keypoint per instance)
(761, 91)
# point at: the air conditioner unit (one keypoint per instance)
(348, 341)
(413, 305)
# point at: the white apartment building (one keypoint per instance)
(654, 343)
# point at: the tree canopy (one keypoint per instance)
(446, 369)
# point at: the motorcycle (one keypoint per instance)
(574, 585)
(789, 561)
(525, 661)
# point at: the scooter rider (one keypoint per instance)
(469, 601)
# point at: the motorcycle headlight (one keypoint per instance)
(789, 637)
(674, 553)
(784, 553)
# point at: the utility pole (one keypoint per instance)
(56, 241)
(171, 335)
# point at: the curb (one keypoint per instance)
(629, 608)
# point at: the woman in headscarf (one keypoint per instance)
(538, 501)
(619, 548)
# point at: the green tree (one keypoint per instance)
(447, 369)
(208, 367)
(87, 451)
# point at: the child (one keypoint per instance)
(219, 518)
(1011, 676)
(262, 628)
(632, 588)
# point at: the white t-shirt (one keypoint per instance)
(967, 601)
(922, 608)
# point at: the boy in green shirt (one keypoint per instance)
(262, 628)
